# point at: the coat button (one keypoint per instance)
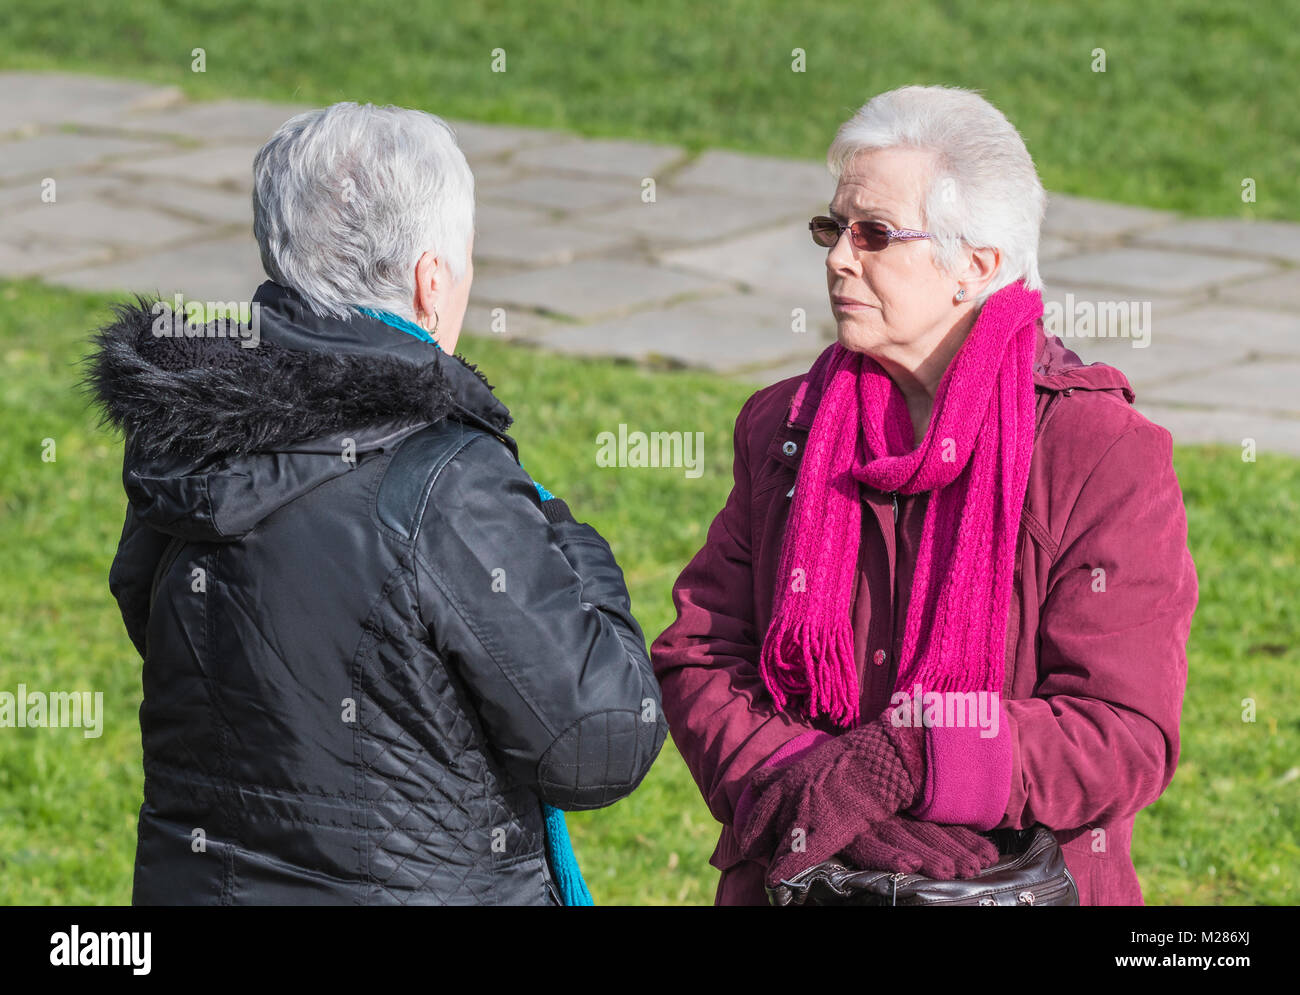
(790, 448)
(878, 658)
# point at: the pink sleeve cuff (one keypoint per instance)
(788, 753)
(967, 775)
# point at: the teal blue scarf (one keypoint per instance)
(559, 848)
(401, 324)
(564, 865)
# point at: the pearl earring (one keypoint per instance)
(961, 294)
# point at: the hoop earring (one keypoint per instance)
(435, 320)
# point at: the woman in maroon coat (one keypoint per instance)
(950, 590)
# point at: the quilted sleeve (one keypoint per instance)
(530, 609)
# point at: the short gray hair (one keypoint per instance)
(983, 190)
(347, 198)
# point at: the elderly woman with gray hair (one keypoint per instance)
(948, 509)
(379, 660)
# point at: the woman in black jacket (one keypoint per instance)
(374, 651)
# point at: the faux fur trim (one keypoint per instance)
(210, 397)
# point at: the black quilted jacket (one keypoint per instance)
(370, 651)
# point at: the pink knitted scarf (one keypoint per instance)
(975, 457)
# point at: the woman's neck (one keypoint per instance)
(919, 368)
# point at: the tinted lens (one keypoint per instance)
(870, 235)
(825, 231)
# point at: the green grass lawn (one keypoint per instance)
(1196, 96)
(1225, 832)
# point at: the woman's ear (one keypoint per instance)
(982, 265)
(430, 278)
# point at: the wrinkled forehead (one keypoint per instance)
(883, 185)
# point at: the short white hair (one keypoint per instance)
(347, 198)
(983, 190)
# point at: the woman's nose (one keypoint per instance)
(841, 257)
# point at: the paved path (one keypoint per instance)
(642, 251)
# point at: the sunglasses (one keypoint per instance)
(869, 236)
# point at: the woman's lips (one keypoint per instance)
(845, 304)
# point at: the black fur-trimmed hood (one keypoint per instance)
(212, 396)
(204, 413)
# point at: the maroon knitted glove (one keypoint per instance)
(901, 843)
(807, 811)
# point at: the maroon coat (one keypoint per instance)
(1096, 662)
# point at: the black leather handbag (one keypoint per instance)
(1030, 872)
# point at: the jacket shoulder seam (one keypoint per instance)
(399, 506)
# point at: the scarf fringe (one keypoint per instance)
(813, 668)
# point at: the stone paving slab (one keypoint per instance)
(716, 334)
(562, 193)
(683, 218)
(56, 154)
(1083, 219)
(1066, 306)
(1154, 270)
(1280, 291)
(630, 160)
(1263, 387)
(492, 173)
(590, 289)
(209, 205)
(768, 375)
(782, 260)
(1056, 247)
(1160, 362)
(1253, 330)
(485, 142)
(222, 165)
(750, 175)
(511, 323)
(517, 235)
(33, 257)
(223, 269)
(1264, 239)
(153, 196)
(218, 121)
(1228, 426)
(32, 101)
(71, 223)
(68, 187)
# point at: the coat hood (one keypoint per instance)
(223, 428)
(1058, 368)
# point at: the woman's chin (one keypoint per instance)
(856, 334)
